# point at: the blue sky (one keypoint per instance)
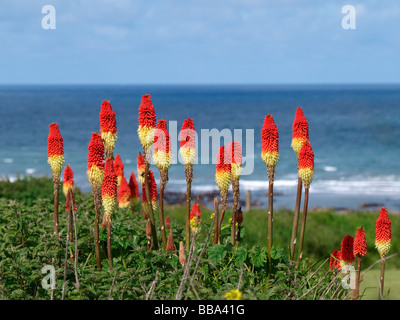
(199, 41)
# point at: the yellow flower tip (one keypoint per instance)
(383, 247)
(95, 176)
(270, 158)
(146, 136)
(109, 140)
(109, 204)
(306, 175)
(296, 145)
(162, 160)
(236, 170)
(188, 155)
(56, 163)
(66, 186)
(233, 294)
(223, 179)
(212, 215)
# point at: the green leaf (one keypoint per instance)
(216, 253)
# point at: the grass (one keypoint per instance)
(28, 244)
(369, 285)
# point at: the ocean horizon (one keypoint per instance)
(354, 132)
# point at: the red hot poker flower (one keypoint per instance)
(269, 142)
(300, 131)
(360, 243)
(95, 168)
(333, 262)
(223, 169)
(235, 150)
(162, 153)
(147, 122)
(134, 187)
(68, 181)
(119, 168)
(383, 235)
(108, 127)
(107, 118)
(124, 194)
(306, 164)
(109, 189)
(346, 250)
(195, 211)
(187, 142)
(55, 150)
(153, 192)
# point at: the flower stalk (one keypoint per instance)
(299, 136)
(188, 154)
(95, 174)
(306, 173)
(147, 126)
(55, 152)
(270, 155)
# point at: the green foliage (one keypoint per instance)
(28, 244)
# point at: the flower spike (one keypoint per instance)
(187, 140)
(124, 194)
(269, 142)
(55, 150)
(306, 164)
(68, 181)
(109, 189)
(108, 128)
(383, 235)
(300, 131)
(147, 122)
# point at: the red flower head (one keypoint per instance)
(141, 166)
(153, 192)
(119, 168)
(346, 251)
(235, 150)
(300, 131)
(109, 189)
(55, 150)
(68, 179)
(383, 235)
(124, 194)
(195, 215)
(170, 243)
(269, 142)
(95, 168)
(306, 164)
(134, 187)
(147, 122)
(187, 142)
(167, 223)
(223, 169)
(162, 153)
(108, 126)
(360, 243)
(333, 261)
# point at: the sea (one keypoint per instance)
(354, 132)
